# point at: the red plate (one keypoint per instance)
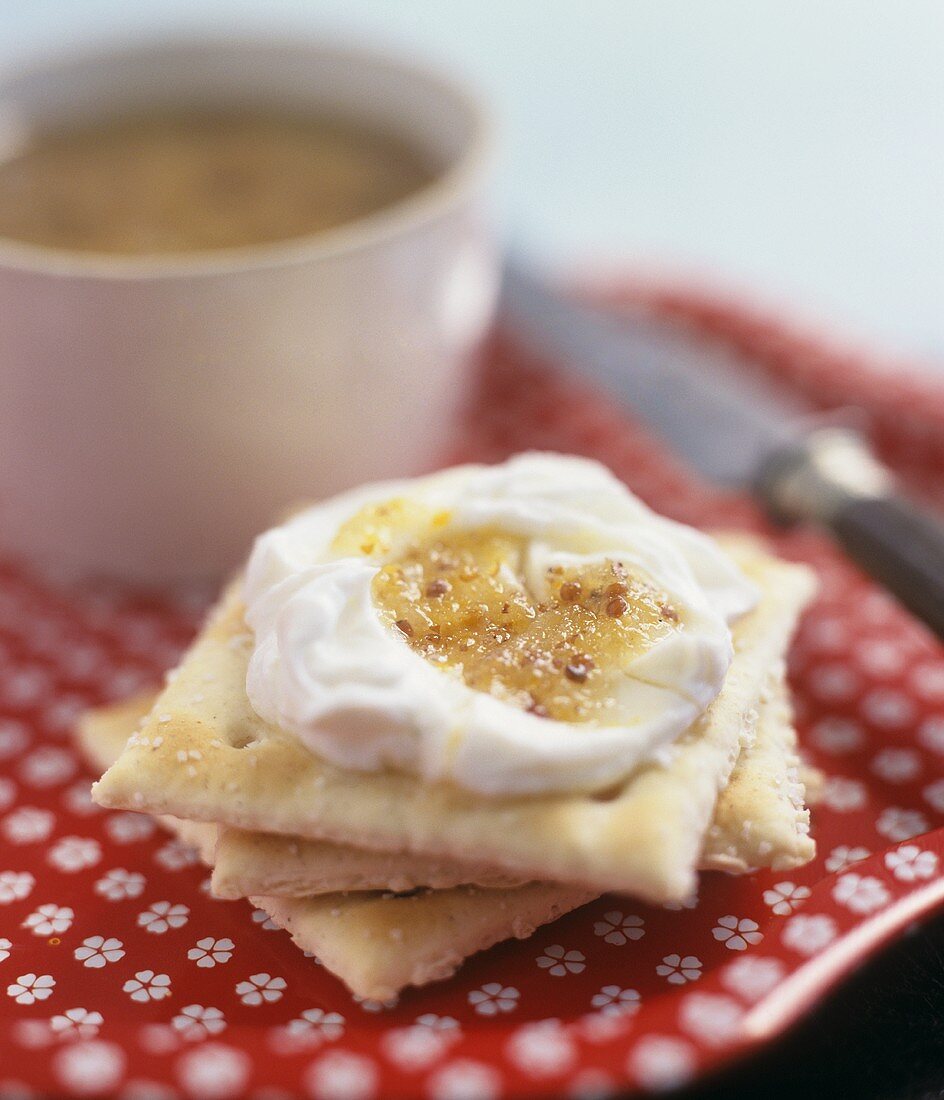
(118, 973)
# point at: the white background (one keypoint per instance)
(793, 148)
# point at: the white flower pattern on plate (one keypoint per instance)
(439, 1023)
(543, 1048)
(25, 685)
(494, 998)
(898, 823)
(61, 715)
(7, 793)
(74, 853)
(209, 952)
(928, 681)
(33, 1034)
(89, 1067)
(78, 800)
(15, 886)
(260, 989)
(887, 708)
(159, 1039)
(934, 793)
(843, 795)
(175, 856)
(341, 1075)
(909, 863)
(47, 767)
(28, 825)
(843, 856)
(833, 683)
(615, 1001)
(826, 635)
(48, 920)
(808, 933)
(313, 1028)
(931, 734)
(76, 1023)
(711, 1017)
(126, 828)
(662, 1062)
(29, 988)
(197, 1021)
(736, 934)
(753, 977)
(880, 657)
(861, 893)
(214, 1071)
(414, 1048)
(118, 884)
(464, 1079)
(14, 738)
(96, 951)
(163, 915)
(897, 765)
(618, 929)
(558, 961)
(678, 969)
(147, 986)
(5, 946)
(784, 897)
(601, 1027)
(837, 735)
(317, 1021)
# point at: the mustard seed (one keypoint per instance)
(616, 607)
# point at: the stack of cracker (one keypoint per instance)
(393, 882)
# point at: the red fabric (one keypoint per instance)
(107, 932)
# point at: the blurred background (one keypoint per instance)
(794, 150)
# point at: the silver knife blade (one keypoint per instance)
(721, 418)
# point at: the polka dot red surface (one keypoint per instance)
(121, 975)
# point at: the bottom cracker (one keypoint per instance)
(376, 943)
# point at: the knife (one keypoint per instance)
(741, 432)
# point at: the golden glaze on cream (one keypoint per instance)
(464, 604)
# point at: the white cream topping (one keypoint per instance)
(327, 668)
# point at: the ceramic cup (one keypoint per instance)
(157, 412)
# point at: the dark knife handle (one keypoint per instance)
(901, 546)
(831, 477)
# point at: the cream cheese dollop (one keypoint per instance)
(327, 668)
